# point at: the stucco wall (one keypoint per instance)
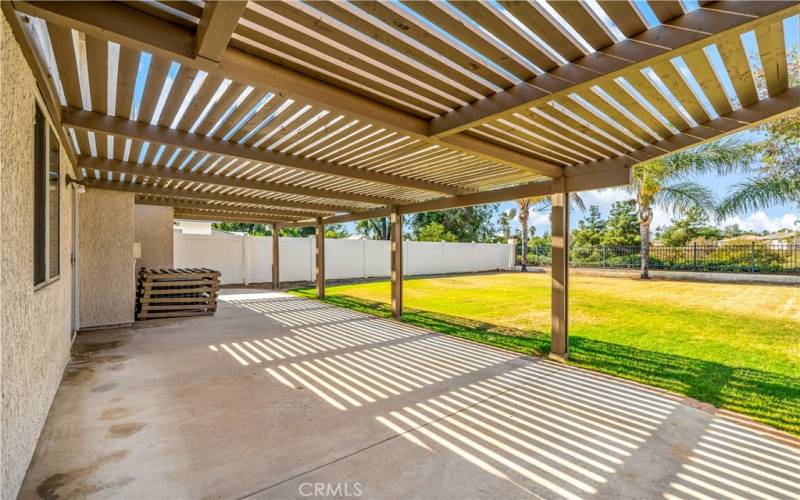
(153, 231)
(107, 279)
(34, 325)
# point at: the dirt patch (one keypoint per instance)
(79, 483)
(115, 413)
(125, 430)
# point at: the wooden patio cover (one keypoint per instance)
(287, 112)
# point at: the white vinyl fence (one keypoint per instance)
(248, 259)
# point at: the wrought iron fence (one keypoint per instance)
(752, 258)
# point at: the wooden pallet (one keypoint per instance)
(171, 293)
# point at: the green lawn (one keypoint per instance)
(734, 346)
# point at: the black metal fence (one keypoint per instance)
(752, 258)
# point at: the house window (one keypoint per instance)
(46, 194)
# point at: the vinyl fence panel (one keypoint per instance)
(248, 259)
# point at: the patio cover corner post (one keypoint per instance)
(396, 219)
(276, 263)
(560, 271)
(320, 258)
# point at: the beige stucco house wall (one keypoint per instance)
(154, 232)
(35, 332)
(107, 278)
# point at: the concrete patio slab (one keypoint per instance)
(282, 397)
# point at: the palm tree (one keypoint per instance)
(661, 183)
(524, 205)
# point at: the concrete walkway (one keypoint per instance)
(283, 397)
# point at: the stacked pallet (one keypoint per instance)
(170, 293)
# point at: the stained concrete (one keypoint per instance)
(283, 397)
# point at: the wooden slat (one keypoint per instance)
(772, 50)
(666, 10)
(64, 52)
(180, 87)
(127, 69)
(352, 14)
(701, 68)
(544, 27)
(156, 78)
(624, 15)
(444, 18)
(735, 61)
(654, 97)
(97, 60)
(497, 23)
(199, 102)
(618, 93)
(585, 22)
(680, 89)
(221, 107)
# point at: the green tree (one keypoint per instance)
(336, 231)
(662, 183)
(622, 226)
(435, 232)
(466, 224)
(504, 221)
(240, 227)
(590, 229)
(375, 229)
(693, 225)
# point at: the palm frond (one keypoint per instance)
(722, 157)
(759, 193)
(681, 196)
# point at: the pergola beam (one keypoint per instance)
(120, 127)
(204, 195)
(219, 218)
(224, 210)
(675, 38)
(217, 24)
(138, 169)
(141, 31)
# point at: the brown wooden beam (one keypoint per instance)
(219, 218)
(203, 195)
(120, 127)
(693, 31)
(396, 220)
(320, 258)
(560, 271)
(138, 169)
(222, 210)
(276, 254)
(217, 24)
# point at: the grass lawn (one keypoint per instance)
(734, 346)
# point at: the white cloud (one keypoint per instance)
(760, 221)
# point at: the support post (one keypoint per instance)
(276, 267)
(560, 271)
(396, 219)
(320, 253)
